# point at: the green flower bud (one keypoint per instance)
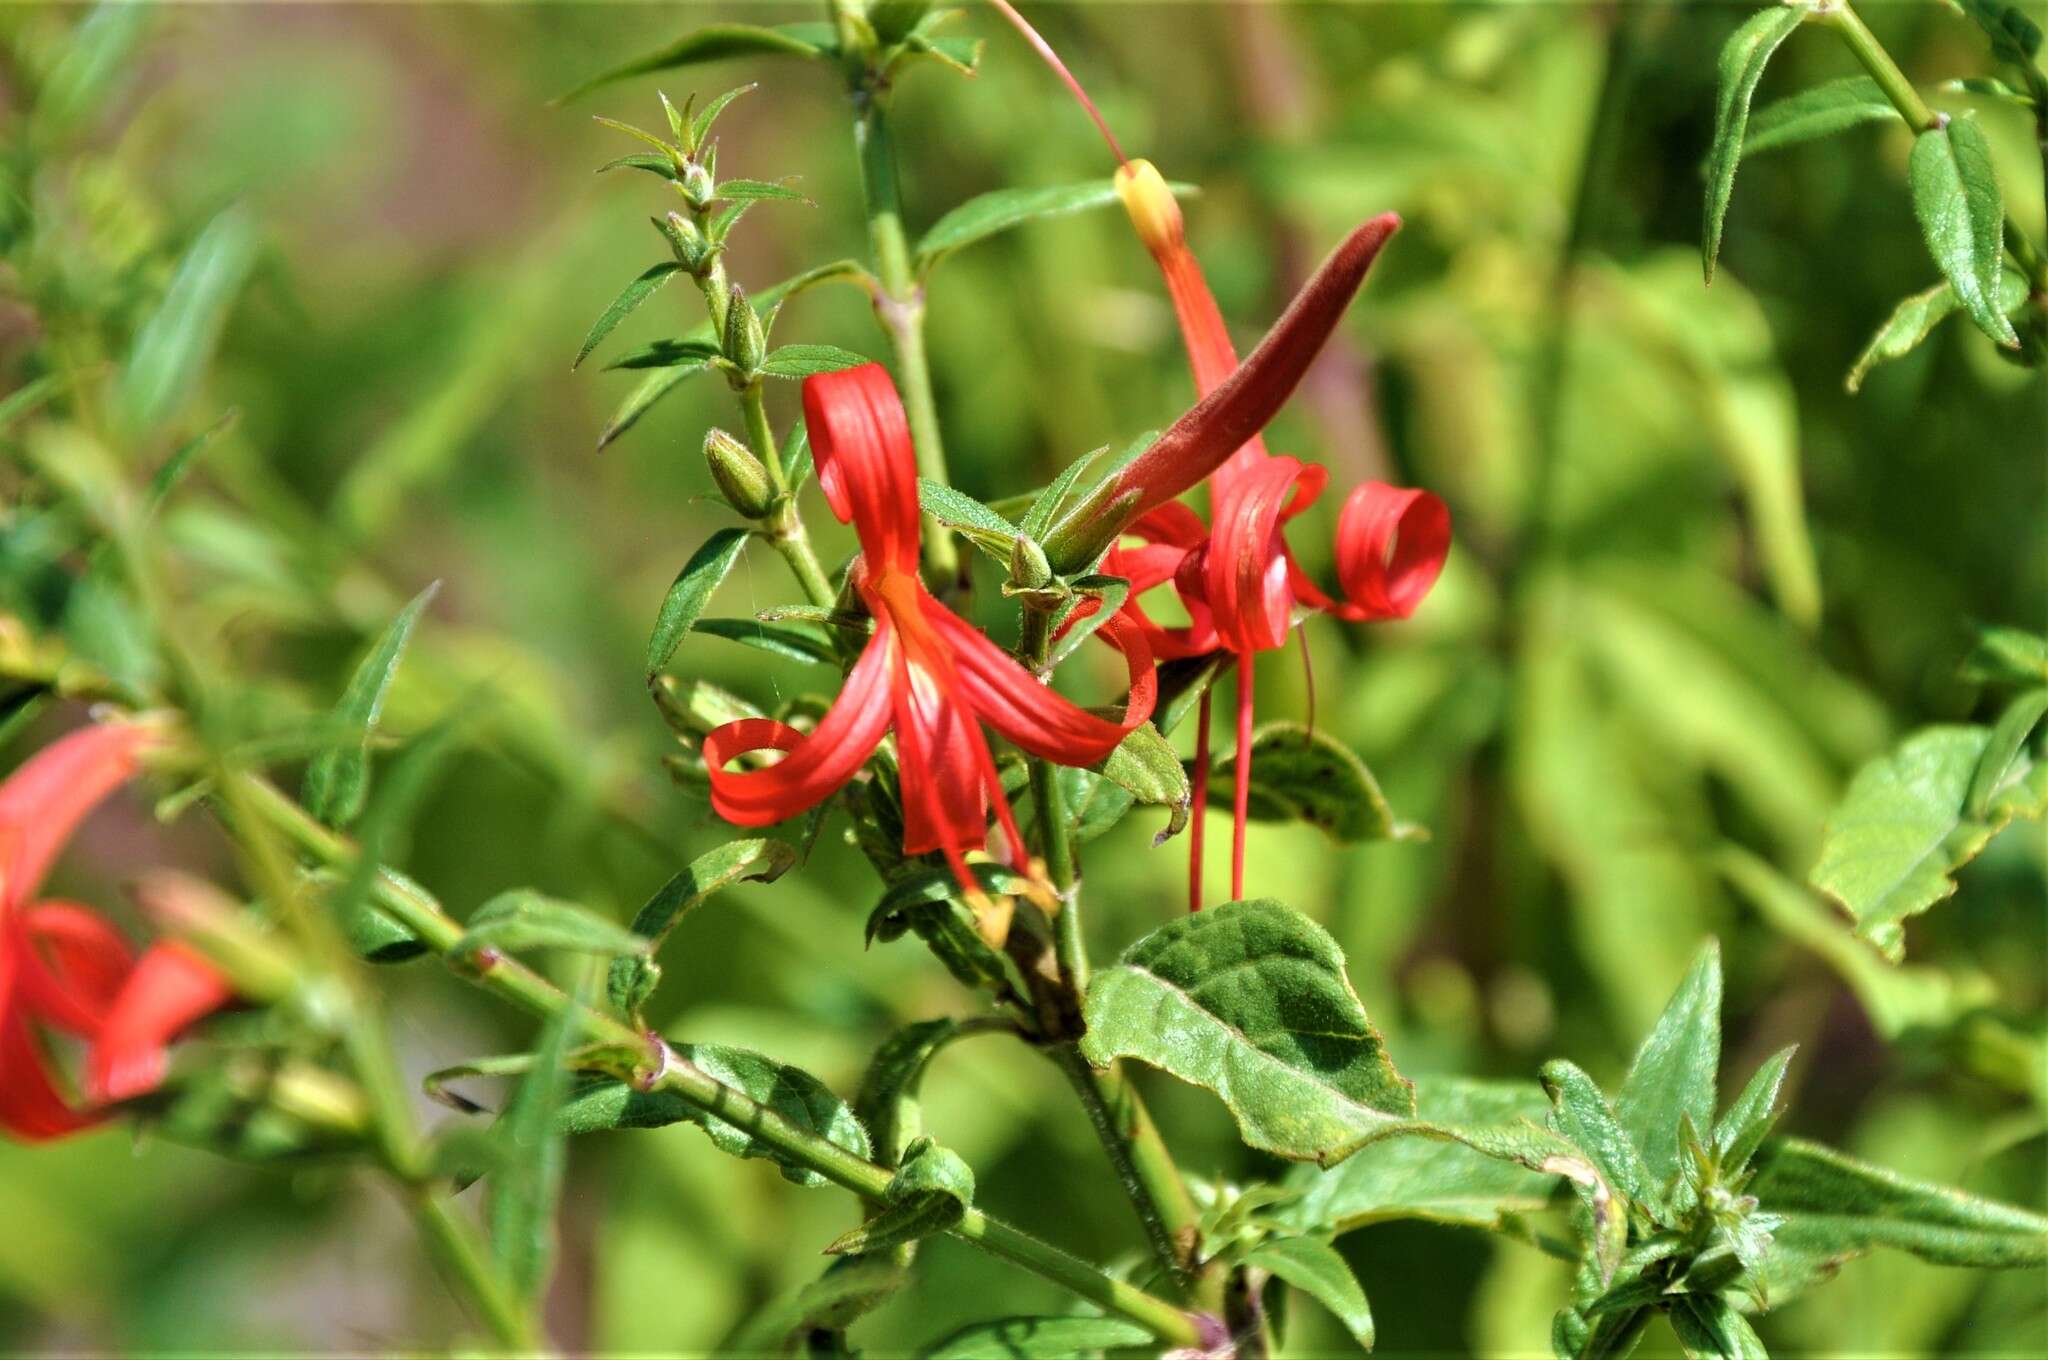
(746, 343)
(686, 239)
(1028, 568)
(738, 473)
(697, 185)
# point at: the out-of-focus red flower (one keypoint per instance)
(926, 673)
(62, 967)
(1238, 579)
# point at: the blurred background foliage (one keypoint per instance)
(1695, 584)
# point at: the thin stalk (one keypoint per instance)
(784, 528)
(412, 907)
(454, 1246)
(1843, 18)
(899, 305)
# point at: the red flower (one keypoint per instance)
(926, 673)
(1238, 580)
(64, 968)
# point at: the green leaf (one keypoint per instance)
(1001, 209)
(1108, 593)
(523, 919)
(1674, 1071)
(2014, 37)
(1842, 1207)
(166, 478)
(1901, 830)
(1045, 506)
(957, 510)
(1317, 1270)
(1250, 1000)
(93, 56)
(801, 361)
(1145, 765)
(850, 1288)
(755, 190)
(690, 592)
(757, 860)
(667, 354)
(1038, 1338)
(1821, 111)
(797, 641)
(1744, 1123)
(173, 345)
(1581, 1114)
(637, 134)
(1709, 1328)
(1742, 63)
(651, 162)
(2007, 656)
(1914, 319)
(28, 396)
(2003, 750)
(526, 1177)
(338, 779)
(1420, 1178)
(634, 293)
(1303, 775)
(651, 389)
(887, 1102)
(600, 1103)
(700, 126)
(1962, 215)
(715, 43)
(1182, 683)
(930, 1193)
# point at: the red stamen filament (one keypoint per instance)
(1241, 813)
(1200, 808)
(1052, 59)
(1308, 676)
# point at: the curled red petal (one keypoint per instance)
(940, 758)
(867, 466)
(170, 988)
(1245, 566)
(44, 800)
(71, 964)
(818, 764)
(1032, 716)
(31, 1107)
(1391, 546)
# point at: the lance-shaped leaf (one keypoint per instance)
(526, 1177)
(756, 190)
(523, 919)
(1821, 111)
(1580, 1113)
(1837, 1207)
(2007, 656)
(801, 361)
(690, 592)
(1250, 1000)
(599, 1103)
(648, 391)
(1145, 765)
(843, 1293)
(1303, 775)
(166, 478)
(887, 1101)
(1674, 1071)
(795, 641)
(981, 526)
(1422, 1178)
(623, 306)
(1317, 1270)
(1709, 1328)
(633, 978)
(930, 1192)
(716, 42)
(173, 345)
(1743, 58)
(1914, 319)
(1038, 1338)
(1746, 1121)
(338, 778)
(1962, 215)
(1039, 515)
(674, 353)
(999, 210)
(927, 900)
(1902, 830)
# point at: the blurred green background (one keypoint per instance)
(1626, 677)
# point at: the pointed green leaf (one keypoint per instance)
(2007, 656)
(851, 1288)
(1842, 1207)
(1045, 506)
(1741, 64)
(1303, 775)
(981, 526)
(715, 43)
(1145, 765)
(1675, 1069)
(700, 126)
(633, 979)
(634, 293)
(1421, 1178)
(1744, 1124)
(652, 163)
(2003, 750)
(173, 345)
(166, 478)
(930, 1192)
(651, 389)
(1914, 319)
(1892, 843)
(796, 641)
(92, 58)
(1709, 1328)
(801, 361)
(1038, 1338)
(338, 779)
(526, 1178)
(599, 1103)
(1581, 1114)
(690, 592)
(1001, 209)
(667, 354)
(1317, 1270)
(1821, 111)
(523, 919)
(756, 190)
(28, 396)
(887, 1101)
(1962, 215)
(1250, 1000)
(2014, 37)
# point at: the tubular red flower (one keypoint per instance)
(925, 674)
(62, 967)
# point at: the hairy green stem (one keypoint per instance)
(1841, 16)
(413, 908)
(784, 528)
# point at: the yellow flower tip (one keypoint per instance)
(992, 917)
(1150, 206)
(1038, 887)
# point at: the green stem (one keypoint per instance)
(412, 907)
(1843, 18)
(784, 528)
(454, 1245)
(899, 305)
